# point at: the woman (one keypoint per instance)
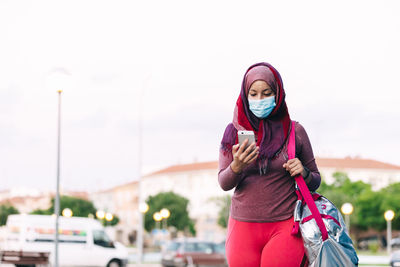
(260, 223)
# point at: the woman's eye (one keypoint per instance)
(253, 94)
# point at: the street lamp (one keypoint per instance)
(347, 209)
(67, 212)
(157, 217)
(109, 217)
(143, 207)
(389, 215)
(58, 79)
(100, 214)
(139, 241)
(165, 215)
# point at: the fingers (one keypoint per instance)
(246, 152)
(293, 166)
(235, 148)
(288, 164)
(295, 171)
(243, 146)
(251, 156)
(293, 162)
(250, 148)
(243, 156)
(253, 159)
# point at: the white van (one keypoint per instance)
(82, 241)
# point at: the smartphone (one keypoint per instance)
(243, 135)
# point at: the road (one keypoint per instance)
(151, 258)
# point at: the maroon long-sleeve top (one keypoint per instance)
(270, 197)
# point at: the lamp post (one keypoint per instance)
(389, 215)
(165, 215)
(57, 200)
(139, 171)
(109, 217)
(58, 79)
(143, 207)
(347, 209)
(157, 217)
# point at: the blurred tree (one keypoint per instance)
(113, 222)
(343, 190)
(391, 200)
(224, 203)
(178, 207)
(41, 212)
(369, 206)
(6, 210)
(80, 207)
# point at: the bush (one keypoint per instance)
(373, 246)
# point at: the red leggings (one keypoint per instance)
(269, 244)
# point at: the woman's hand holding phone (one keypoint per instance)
(243, 156)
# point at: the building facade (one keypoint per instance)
(198, 182)
(122, 201)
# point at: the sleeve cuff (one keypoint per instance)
(234, 173)
(308, 177)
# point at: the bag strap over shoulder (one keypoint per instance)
(303, 187)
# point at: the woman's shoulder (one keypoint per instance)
(230, 126)
(301, 133)
(230, 130)
(298, 127)
(229, 136)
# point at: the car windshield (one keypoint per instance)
(174, 246)
(220, 248)
(100, 238)
(202, 247)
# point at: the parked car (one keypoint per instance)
(395, 258)
(395, 242)
(82, 241)
(371, 241)
(192, 252)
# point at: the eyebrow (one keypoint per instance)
(266, 89)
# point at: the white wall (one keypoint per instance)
(199, 187)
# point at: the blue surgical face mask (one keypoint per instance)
(262, 108)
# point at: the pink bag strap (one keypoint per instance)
(303, 187)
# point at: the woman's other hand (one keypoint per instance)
(294, 167)
(243, 156)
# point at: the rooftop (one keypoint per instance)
(338, 163)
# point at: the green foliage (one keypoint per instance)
(114, 221)
(80, 207)
(178, 207)
(370, 212)
(373, 247)
(391, 201)
(6, 210)
(41, 212)
(369, 206)
(342, 190)
(224, 204)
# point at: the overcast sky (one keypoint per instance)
(181, 64)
